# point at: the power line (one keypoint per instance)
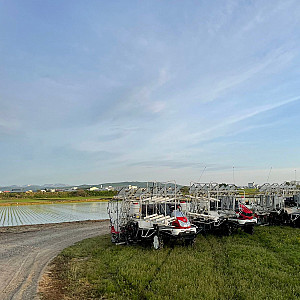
(202, 174)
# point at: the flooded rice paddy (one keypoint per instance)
(52, 213)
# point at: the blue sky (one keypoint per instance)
(101, 91)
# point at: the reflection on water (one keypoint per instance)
(52, 213)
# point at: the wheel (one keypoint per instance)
(249, 229)
(158, 242)
(189, 242)
(228, 229)
(128, 239)
(114, 238)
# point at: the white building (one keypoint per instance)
(109, 188)
(94, 188)
(132, 187)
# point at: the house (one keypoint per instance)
(109, 188)
(94, 188)
(132, 187)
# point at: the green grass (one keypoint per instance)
(262, 266)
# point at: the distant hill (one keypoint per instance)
(49, 185)
(126, 183)
(32, 187)
(134, 183)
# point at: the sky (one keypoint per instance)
(108, 91)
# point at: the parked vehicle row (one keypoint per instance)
(277, 204)
(161, 214)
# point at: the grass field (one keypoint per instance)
(262, 266)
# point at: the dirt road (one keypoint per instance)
(25, 251)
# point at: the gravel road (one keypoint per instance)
(25, 251)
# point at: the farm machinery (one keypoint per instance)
(160, 214)
(152, 215)
(278, 204)
(217, 208)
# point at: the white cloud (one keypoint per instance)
(216, 131)
(143, 96)
(221, 83)
(159, 87)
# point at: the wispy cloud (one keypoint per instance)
(143, 96)
(149, 91)
(265, 13)
(9, 123)
(241, 73)
(168, 163)
(205, 134)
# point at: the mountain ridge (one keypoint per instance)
(34, 187)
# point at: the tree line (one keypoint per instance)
(69, 194)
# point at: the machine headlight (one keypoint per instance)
(184, 224)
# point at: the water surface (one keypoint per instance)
(52, 213)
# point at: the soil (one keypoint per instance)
(25, 252)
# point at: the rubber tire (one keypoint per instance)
(249, 229)
(159, 243)
(189, 242)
